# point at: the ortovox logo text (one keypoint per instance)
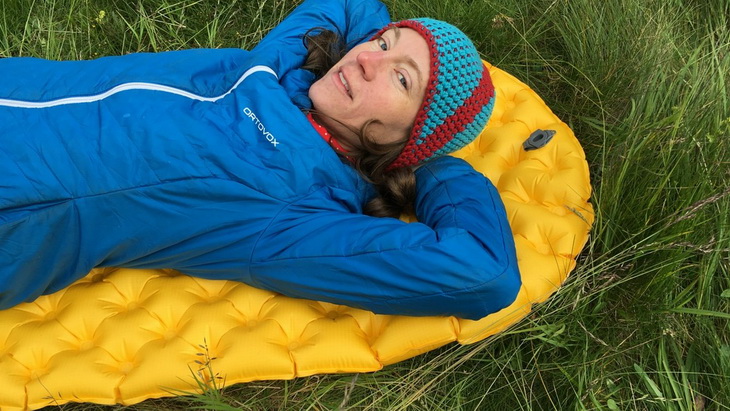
(268, 136)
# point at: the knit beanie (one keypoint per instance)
(459, 95)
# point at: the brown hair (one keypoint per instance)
(396, 188)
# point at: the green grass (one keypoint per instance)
(644, 321)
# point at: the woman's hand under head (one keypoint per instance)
(383, 80)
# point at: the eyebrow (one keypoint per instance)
(409, 60)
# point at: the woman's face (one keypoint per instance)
(383, 79)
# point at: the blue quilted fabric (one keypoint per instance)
(199, 161)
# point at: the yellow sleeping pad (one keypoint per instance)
(120, 336)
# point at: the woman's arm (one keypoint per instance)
(460, 260)
(353, 20)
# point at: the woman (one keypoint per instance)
(206, 161)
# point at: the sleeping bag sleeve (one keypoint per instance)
(459, 260)
(283, 49)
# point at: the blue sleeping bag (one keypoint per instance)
(202, 161)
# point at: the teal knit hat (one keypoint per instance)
(459, 95)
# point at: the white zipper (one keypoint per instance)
(132, 86)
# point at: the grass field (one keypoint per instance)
(644, 321)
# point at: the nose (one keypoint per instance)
(371, 62)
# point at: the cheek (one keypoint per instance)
(395, 120)
(397, 114)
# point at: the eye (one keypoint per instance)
(403, 80)
(382, 44)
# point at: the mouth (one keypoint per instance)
(345, 84)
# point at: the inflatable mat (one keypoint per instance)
(121, 336)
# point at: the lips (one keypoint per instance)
(343, 82)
